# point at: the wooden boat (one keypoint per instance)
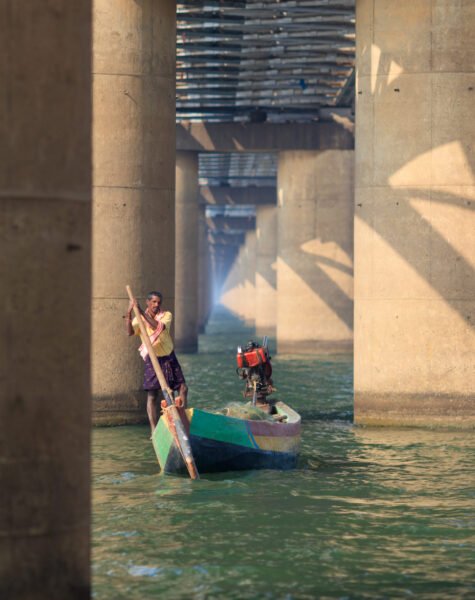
(224, 443)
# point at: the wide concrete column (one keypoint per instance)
(205, 277)
(415, 199)
(134, 180)
(45, 238)
(266, 270)
(239, 291)
(223, 257)
(186, 247)
(315, 251)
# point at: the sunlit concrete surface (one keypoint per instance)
(414, 227)
(239, 290)
(315, 251)
(266, 274)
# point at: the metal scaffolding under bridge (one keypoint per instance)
(250, 60)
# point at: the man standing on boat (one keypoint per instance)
(157, 324)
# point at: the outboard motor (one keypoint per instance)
(254, 366)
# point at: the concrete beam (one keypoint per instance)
(263, 137)
(226, 239)
(236, 224)
(238, 195)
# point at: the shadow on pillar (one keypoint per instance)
(415, 308)
(315, 252)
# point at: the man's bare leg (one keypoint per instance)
(184, 394)
(152, 410)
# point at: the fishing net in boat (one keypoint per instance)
(245, 411)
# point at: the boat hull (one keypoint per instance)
(220, 443)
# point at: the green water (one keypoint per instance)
(369, 513)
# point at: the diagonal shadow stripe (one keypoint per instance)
(323, 286)
(426, 260)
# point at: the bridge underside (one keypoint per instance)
(375, 244)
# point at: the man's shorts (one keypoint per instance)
(171, 371)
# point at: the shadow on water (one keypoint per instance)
(368, 513)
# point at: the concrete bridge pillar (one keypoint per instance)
(239, 291)
(223, 259)
(45, 238)
(315, 251)
(266, 275)
(134, 180)
(415, 200)
(186, 246)
(205, 279)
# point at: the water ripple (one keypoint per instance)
(368, 513)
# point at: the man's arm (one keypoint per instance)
(166, 319)
(128, 319)
(152, 322)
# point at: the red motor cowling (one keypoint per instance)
(251, 358)
(254, 366)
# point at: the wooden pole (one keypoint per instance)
(172, 414)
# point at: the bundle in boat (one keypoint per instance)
(247, 411)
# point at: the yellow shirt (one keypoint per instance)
(163, 345)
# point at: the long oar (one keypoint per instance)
(177, 429)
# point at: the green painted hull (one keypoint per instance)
(221, 443)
